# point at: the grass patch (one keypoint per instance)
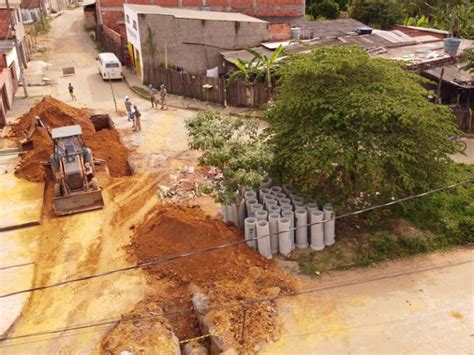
(141, 91)
(43, 27)
(438, 221)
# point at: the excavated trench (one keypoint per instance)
(98, 133)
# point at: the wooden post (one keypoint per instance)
(166, 55)
(438, 91)
(113, 94)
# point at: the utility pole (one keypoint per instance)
(20, 55)
(113, 93)
(166, 54)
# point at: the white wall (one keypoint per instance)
(133, 35)
(12, 56)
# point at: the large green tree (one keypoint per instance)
(357, 130)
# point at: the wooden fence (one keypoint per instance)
(201, 87)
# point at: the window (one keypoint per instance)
(112, 65)
(134, 24)
(128, 19)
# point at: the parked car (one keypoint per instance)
(109, 66)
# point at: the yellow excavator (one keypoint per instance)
(76, 188)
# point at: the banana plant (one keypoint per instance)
(267, 65)
(246, 70)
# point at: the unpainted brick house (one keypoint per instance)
(189, 39)
(9, 57)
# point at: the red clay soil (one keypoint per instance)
(105, 144)
(226, 275)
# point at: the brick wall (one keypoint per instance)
(263, 8)
(279, 32)
(413, 32)
(4, 24)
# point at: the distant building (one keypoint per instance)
(9, 74)
(6, 31)
(111, 20)
(189, 39)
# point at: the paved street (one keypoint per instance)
(422, 305)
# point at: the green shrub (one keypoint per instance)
(377, 13)
(327, 9)
(414, 245)
(384, 247)
(466, 229)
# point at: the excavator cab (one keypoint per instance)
(76, 188)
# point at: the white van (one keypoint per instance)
(109, 66)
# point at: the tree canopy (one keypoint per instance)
(356, 130)
(377, 13)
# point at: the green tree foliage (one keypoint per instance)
(357, 130)
(458, 19)
(469, 58)
(421, 21)
(325, 9)
(455, 16)
(235, 147)
(377, 13)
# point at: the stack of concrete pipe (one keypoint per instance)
(269, 215)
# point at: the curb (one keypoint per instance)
(184, 107)
(147, 97)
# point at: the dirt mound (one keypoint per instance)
(226, 275)
(105, 144)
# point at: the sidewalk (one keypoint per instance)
(134, 82)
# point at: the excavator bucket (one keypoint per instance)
(78, 202)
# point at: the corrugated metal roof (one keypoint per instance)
(453, 75)
(192, 14)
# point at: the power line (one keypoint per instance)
(110, 321)
(155, 262)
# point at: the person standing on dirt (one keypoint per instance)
(138, 122)
(128, 107)
(71, 92)
(163, 94)
(152, 92)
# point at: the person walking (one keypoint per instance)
(152, 92)
(163, 94)
(71, 92)
(128, 107)
(138, 121)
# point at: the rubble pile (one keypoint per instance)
(105, 143)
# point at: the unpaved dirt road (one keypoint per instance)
(77, 245)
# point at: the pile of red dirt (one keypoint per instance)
(105, 144)
(226, 275)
